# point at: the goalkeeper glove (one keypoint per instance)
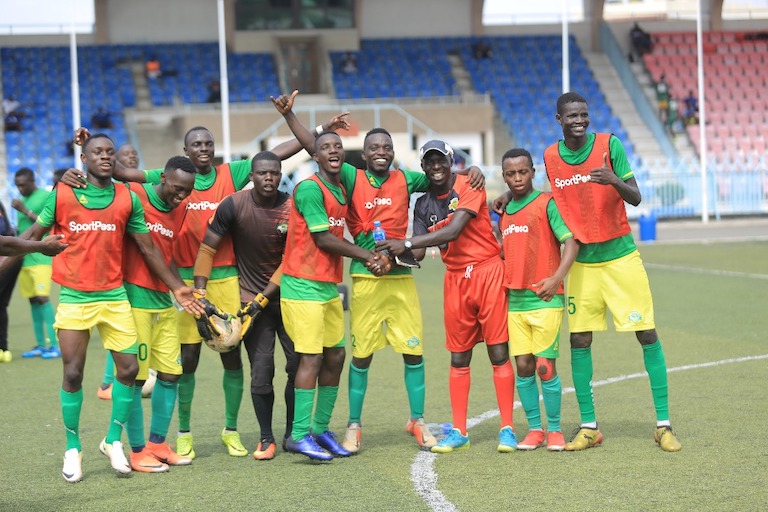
(205, 325)
(250, 312)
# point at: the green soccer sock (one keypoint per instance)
(48, 318)
(233, 396)
(163, 401)
(656, 366)
(581, 369)
(358, 384)
(552, 391)
(109, 370)
(186, 392)
(71, 404)
(38, 323)
(122, 403)
(134, 427)
(528, 391)
(415, 387)
(326, 400)
(302, 417)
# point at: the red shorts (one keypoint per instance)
(475, 306)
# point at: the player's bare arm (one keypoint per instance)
(284, 105)
(628, 190)
(184, 294)
(446, 234)
(547, 288)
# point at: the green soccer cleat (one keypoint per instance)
(185, 445)
(231, 439)
(454, 441)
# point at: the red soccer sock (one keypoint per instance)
(504, 380)
(458, 385)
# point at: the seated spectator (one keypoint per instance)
(349, 63)
(153, 68)
(641, 40)
(12, 123)
(102, 119)
(691, 110)
(673, 118)
(214, 91)
(481, 50)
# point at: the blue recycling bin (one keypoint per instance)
(647, 225)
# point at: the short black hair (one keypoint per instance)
(516, 152)
(569, 97)
(195, 129)
(374, 131)
(323, 134)
(267, 156)
(96, 136)
(180, 162)
(25, 171)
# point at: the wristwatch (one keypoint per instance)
(408, 244)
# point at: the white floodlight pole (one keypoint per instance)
(566, 56)
(702, 117)
(224, 81)
(76, 122)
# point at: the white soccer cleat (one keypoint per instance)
(73, 466)
(116, 456)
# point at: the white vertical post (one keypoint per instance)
(565, 45)
(224, 81)
(76, 121)
(702, 117)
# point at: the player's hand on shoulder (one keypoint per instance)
(501, 202)
(284, 102)
(475, 178)
(74, 178)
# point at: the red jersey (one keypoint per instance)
(595, 213)
(200, 208)
(93, 260)
(476, 244)
(303, 258)
(163, 227)
(388, 204)
(531, 250)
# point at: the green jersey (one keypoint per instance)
(34, 203)
(94, 198)
(612, 249)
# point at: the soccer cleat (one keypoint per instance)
(452, 442)
(307, 446)
(73, 466)
(164, 453)
(555, 441)
(265, 450)
(533, 440)
(328, 441)
(185, 445)
(104, 393)
(667, 440)
(418, 429)
(145, 462)
(352, 438)
(51, 353)
(231, 439)
(35, 352)
(507, 440)
(584, 438)
(6, 356)
(149, 384)
(116, 456)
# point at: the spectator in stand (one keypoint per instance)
(662, 98)
(102, 119)
(214, 91)
(349, 63)
(153, 68)
(12, 123)
(691, 111)
(641, 40)
(481, 50)
(673, 118)
(11, 106)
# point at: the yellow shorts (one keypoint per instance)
(620, 286)
(158, 341)
(535, 332)
(313, 325)
(393, 302)
(224, 293)
(35, 281)
(113, 320)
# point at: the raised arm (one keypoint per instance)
(284, 105)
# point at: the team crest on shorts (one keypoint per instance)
(413, 341)
(635, 317)
(282, 228)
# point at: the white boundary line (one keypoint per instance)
(423, 473)
(713, 272)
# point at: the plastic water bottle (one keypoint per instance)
(379, 235)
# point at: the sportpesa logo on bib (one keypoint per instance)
(514, 228)
(156, 227)
(202, 205)
(95, 225)
(378, 201)
(332, 221)
(576, 179)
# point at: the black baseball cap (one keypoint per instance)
(436, 145)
